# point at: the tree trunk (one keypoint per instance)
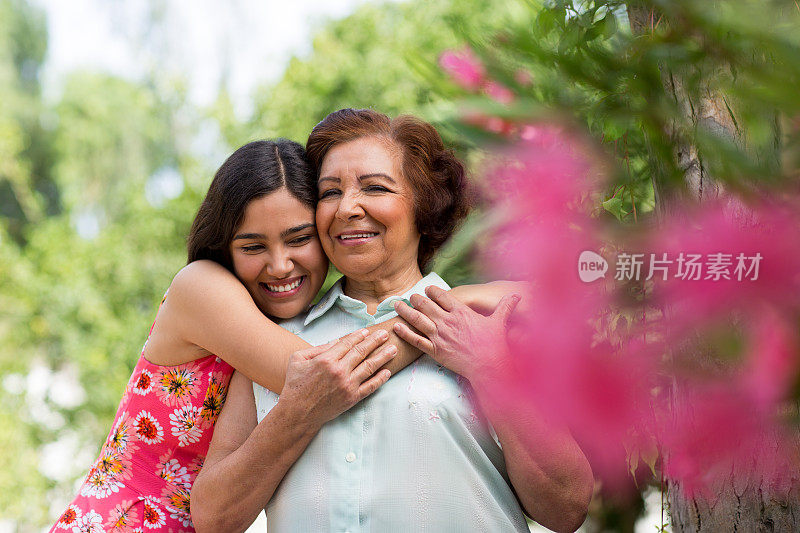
(742, 503)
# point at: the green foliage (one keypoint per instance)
(368, 59)
(647, 94)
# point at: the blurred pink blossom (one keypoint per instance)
(547, 185)
(498, 92)
(464, 68)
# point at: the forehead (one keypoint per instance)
(275, 212)
(362, 155)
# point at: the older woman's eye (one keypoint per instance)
(376, 188)
(328, 193)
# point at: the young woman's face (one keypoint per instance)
(277, 255)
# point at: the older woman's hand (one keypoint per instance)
(463, 340)
(324, 381)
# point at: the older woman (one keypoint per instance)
(416, 455)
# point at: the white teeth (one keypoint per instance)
(357, 236)
(283, 288)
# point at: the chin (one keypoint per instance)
(354, 267)
(283, 311)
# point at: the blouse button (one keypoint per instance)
(350, 457)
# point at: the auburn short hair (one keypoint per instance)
(436, 176)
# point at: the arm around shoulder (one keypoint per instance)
(213, 310)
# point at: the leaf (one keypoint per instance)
(614, 206)
(608, 26)
(649, 455)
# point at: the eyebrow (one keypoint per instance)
(295, 229)
(284, 233)
(360, 178)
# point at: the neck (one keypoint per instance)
(374, 291)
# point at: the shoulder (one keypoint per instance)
(201, 271)
(203, 287)
(202, 278)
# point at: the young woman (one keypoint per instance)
(257, 222)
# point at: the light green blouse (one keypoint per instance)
(414, 456)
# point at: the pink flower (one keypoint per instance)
(498, 92)
(566, 365)
(464, 68)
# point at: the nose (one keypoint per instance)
(280, 264)
(349, 207)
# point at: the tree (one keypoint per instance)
(696, 102)
(707, 105)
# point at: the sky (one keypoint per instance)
(241, 43)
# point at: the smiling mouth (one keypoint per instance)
(283, 287)
(356, 237)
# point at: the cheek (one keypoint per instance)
(401, 217)
(324, 217)
(247, 267)
(316, 263)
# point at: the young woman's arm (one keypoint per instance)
(209, 311)
(485, 297)
(247, 460)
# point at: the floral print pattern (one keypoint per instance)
(176, 386)
(186, 424)
(148, 429)
(69, 518)
(144, 384)
(215, 399)
(122, 517)
(143, 476)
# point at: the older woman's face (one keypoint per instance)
(365, 213)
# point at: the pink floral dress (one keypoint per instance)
(160, 436)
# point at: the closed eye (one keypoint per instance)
(376, 188)
(328, 193)
(252, 248)
(299, 241)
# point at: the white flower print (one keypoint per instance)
(91, 522)
(153, 515)
(185, 424)
(147, 428)
(100, 484)
(174, 474)
(144, 384)
(69, 517)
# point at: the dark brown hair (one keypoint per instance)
(436, 176)
(252, 171)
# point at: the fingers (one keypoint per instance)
(427, 306)
(313, 351)
(375, 361)
(372, 384)
(360, 351)
(341, 346)
(413, 338)
(506, 307)
(442, 297)
(416, 318)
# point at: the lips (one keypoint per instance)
(283, 288)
